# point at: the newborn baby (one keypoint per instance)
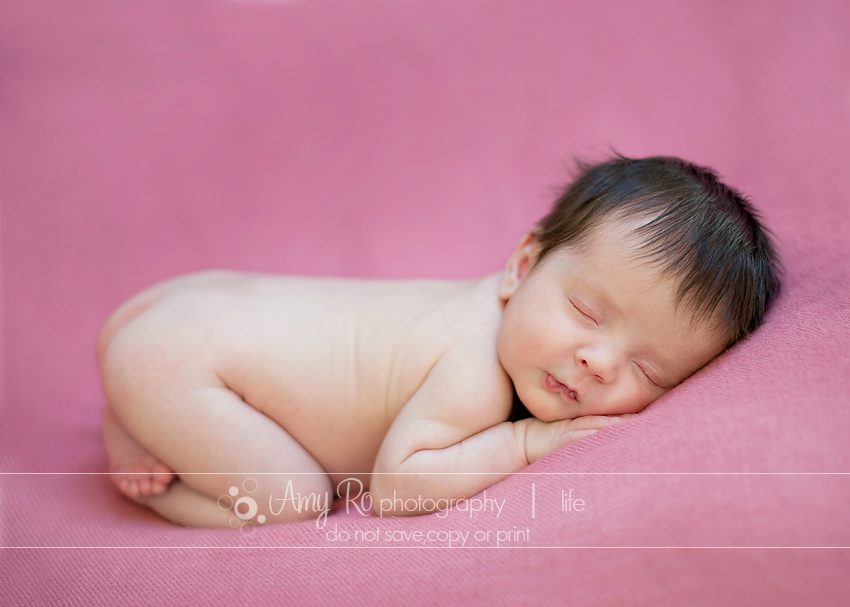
(645, 270)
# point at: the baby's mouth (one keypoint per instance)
(554, 385)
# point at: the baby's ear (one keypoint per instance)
(519, 264)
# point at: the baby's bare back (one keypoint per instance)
(332, 361)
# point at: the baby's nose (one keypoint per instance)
(591, 370)
(600, 364)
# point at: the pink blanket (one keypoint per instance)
(421, 138)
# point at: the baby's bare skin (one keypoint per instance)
(238, 375)
(331, 360)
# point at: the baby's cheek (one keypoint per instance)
(635, 400)
(646, 400)
(510, 347)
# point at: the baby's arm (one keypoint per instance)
(447, 442)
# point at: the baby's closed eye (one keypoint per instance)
(582, 312)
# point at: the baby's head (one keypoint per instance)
(644, 271)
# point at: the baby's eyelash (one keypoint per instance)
(577, 309)
(646, 375)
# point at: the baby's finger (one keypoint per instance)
(577, 434)
(595, 422)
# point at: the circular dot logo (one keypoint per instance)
(245, 508)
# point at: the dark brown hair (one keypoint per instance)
(703, 233)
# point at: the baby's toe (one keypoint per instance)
(158, 488)
(144, 486)
(132, 489)
(162, 473)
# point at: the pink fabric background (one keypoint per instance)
(421, 138)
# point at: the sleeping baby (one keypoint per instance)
(644, 271)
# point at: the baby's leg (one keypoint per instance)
(222, 448)
(134, 470)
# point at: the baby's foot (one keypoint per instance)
(133, 469)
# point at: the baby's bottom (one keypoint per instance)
(162, 418)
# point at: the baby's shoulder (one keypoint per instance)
(470, 381)
(470, 369)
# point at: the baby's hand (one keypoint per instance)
(541, 438)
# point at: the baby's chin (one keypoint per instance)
(546, 412)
